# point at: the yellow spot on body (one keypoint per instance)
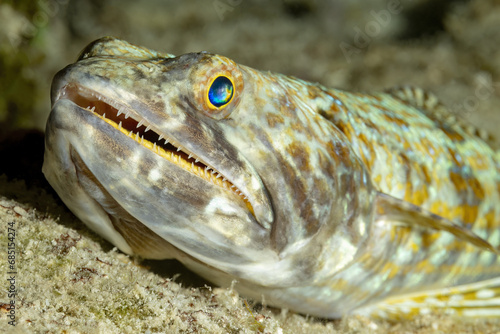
(477, 188)
(428, 239)
(425, 266)
(390, 269)
(477, 161)
(408, 192)
(490, 221)
(458, 181)
(470, 213)
(420, 196)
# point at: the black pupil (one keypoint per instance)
(221, 91)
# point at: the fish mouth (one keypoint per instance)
(135, 127)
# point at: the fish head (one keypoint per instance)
(232, 167)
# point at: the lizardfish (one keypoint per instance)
(318, 200)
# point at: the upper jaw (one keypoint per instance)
(237, 176)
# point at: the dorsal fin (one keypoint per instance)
(417, 97)
(435, 110)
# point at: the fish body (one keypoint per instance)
(319, 200)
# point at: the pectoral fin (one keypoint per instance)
(395, 210)
(425, 281)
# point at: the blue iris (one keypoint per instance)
(221, 91)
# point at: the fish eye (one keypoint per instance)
(217, 87)
(221, 91)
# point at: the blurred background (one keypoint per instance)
(449, 47)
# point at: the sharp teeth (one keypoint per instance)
(142, 139)
(140, 123)
(154, 147)
(192, 165)
(196, 160)
(130, 133)
(103, 115)
(178, 149)
(190, 156)
(127, 115)
(137, 136)
(119, 112)
(93, 109)
(218, 175)
(120, 125)
(99, 98)
(224, 179)
(147, 128)
(166, 141)
(160, 138)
